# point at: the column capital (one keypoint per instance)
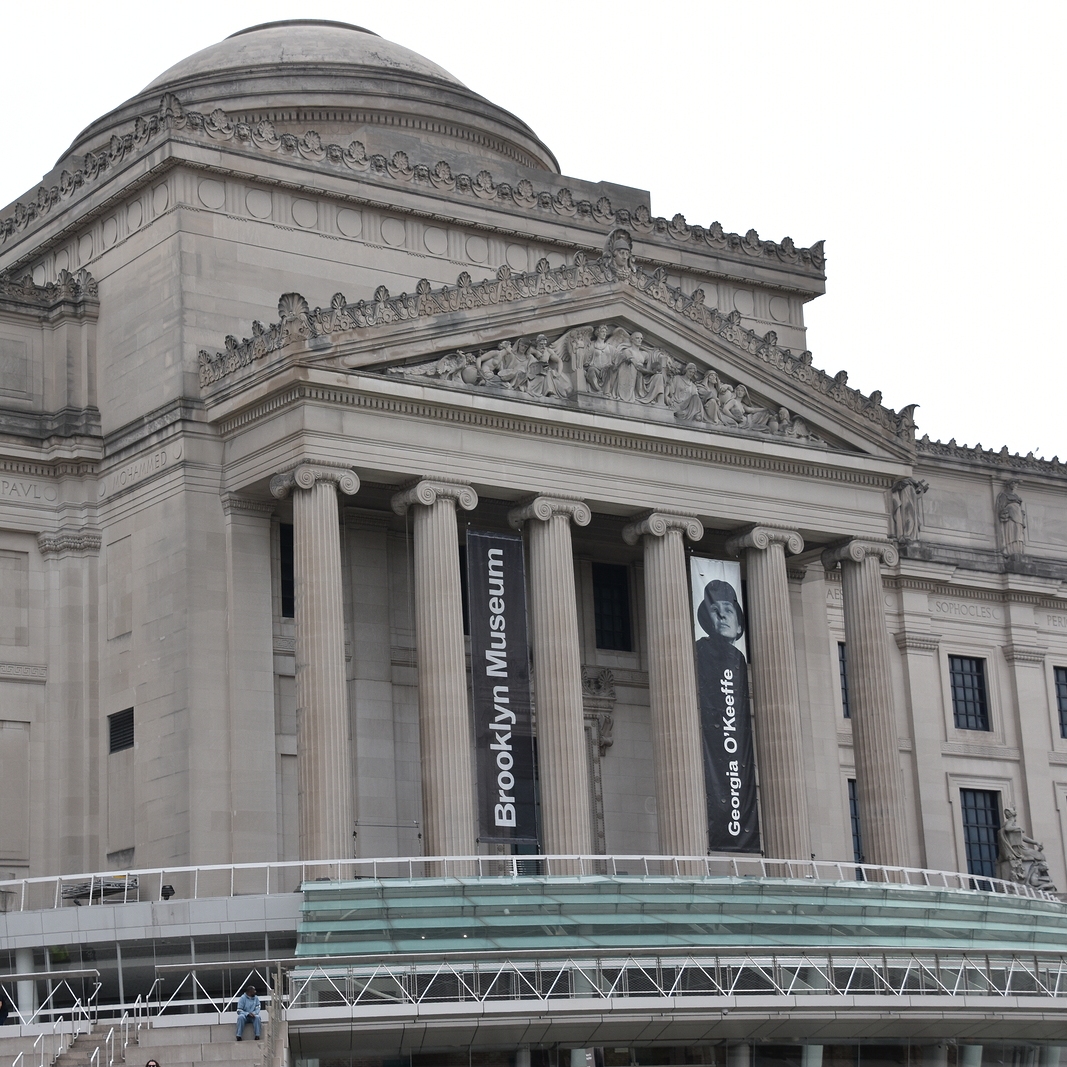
(857, 549)
(544, 507)
(762, 536)
(426, 491)
(657, 523)
(305, 475)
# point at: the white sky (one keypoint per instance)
(923, 141)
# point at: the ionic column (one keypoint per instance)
(561, 752)
(870, 695)
(449, 818)
(775, 691)
(677, 750)
(321, 691)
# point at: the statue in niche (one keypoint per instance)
(1012, 519)
(1022, 859)
(906, 516)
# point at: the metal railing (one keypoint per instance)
(543, 981)
(238, 879)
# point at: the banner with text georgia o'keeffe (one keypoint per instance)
(725, 724)
(500, 680)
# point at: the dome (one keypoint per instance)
(345, 83)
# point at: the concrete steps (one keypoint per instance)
(190, 1044)
(81, 1052)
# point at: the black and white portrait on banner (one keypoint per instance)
(722, 687)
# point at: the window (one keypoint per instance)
(854, 817)
(842, 667)
(1061, 697)
(981, 827)
(285, 545)
(970, 709)
(120, 730)
(611, 607)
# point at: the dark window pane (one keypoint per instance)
(842, 667)
(1061, 698)
(854, 818)
(970, 709)
(981, 827)
(611, 607)
(285, 543)
(120, 730)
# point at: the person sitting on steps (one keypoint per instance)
(248, 1011)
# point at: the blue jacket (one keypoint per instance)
(248, 1005)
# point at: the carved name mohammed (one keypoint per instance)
(139, 469)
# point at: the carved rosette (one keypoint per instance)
(544, 507)
(659, 523)
(427, 491)
(305, 475)
(858, 549)
(762, 537)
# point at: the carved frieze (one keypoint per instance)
(613, 366)
(68, 288)
(263, 137)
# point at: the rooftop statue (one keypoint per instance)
(1022, 859)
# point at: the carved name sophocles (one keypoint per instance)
(299, 323)
(262, 137)
(305, 475)
(610, 363)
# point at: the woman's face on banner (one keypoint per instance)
(724, 619)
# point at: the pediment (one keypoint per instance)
(600, 335)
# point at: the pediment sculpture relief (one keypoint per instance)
(610, 364)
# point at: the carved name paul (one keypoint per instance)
(611, 364)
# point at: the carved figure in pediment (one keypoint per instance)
(628, 360)
(545, 375)
(502, 366)
(618, 253)
(684, 395)
(709, 391)
(600, 361)
(1011, 514)
(793, 426)
(652, 375)
(907, 508)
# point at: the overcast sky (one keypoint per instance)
(924, 142)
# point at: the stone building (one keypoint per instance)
(278, 331)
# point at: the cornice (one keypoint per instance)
(1014, 653)
(614, 271)
(69, 543)
(989, 459)
(58, 469)
(23, 295)
(261, 137)
(910, 641)
(421, 409)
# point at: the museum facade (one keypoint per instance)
(369, 489)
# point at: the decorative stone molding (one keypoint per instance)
(989, 457)
(305, 475)
(657, 523)
(68, 288)
(598, 703)
(298, 323)
(24, 672)
(909, 641)
(68, 543)
(1025, 654)
(262, 137)
(426, 491)
(544, 507)
(857, 549)
(232, 502)
(763, 536)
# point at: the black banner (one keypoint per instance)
(726, 726)
(500, 679)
